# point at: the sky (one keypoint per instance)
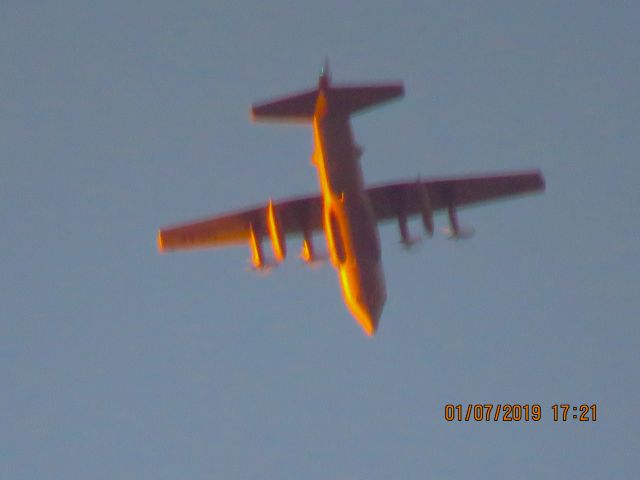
(116, 362)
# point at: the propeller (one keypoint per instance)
(461, 233)
(455, 231)
(410, 243)
(264, 269)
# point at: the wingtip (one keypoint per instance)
(160, 242)
(252, 114)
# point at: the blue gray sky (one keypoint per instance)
(119, 117)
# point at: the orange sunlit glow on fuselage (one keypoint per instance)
(359, 313)
(352, 242)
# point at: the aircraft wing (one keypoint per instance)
(407, 198)
(294, 216)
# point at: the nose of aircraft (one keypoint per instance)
(364, 293)
(371, 302)
(366, 309)
(370, 315)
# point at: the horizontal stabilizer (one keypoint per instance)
(300, 107)
(360, 97)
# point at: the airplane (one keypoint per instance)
(345, 210)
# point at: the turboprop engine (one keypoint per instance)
(408, 205)
(257, 253)
(455, 231)
(425, 208)
(308, 253)
(405, 237)
(277, 236)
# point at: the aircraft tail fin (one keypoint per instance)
(301, 107)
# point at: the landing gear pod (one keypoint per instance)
(335, 242)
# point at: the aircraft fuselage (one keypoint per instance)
(349, 221)
(345, 210)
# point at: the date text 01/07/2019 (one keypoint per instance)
(516, 412)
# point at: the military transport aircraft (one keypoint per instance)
(345, 210)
